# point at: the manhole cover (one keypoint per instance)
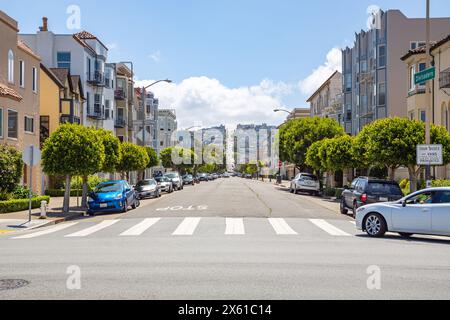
(10, 284)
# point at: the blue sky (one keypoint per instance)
(239, 43)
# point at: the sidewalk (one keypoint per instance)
(17, 221)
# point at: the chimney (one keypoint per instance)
(44, 27)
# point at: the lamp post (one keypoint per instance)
(429, 112)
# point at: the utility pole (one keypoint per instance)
(428, 91)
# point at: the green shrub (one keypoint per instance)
(21, 204)
(93, 181)
(60, 193)
(329, 192)
(441, 183)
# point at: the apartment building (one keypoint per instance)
(326, 101)
(254, 143)
(19, 94)
(167, 125)
(125, 107)
(147, 120)
(374, 81)
(299, 113)
(85, 55)
(415, 61)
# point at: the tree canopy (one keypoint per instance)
(134, 158)
(153, 157)
(112, 147)
(11, 167)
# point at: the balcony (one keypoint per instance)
(120, 123)
(119, 94)
(444, 79)
(95, 113)
(96, 78)
(67, 118)
(417, 90)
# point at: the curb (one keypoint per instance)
(55, 221)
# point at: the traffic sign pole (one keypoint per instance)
(31, 182)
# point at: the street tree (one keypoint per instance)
(179, 159)
(72, 150)
(134, 158)
(296, 136)
(11, 168)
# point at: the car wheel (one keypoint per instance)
(375, 225)
(342, 207)
(125, 207)
(135, 204)
(405, 235)
(91, 214)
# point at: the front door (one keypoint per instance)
(441, 213)
(415, 217)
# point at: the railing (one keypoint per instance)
(444, 79)
(96, 78)
(417, 90)
(95, 113)
(67, 118)
(119, 94)
(120, 123)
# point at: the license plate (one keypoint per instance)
(103, 205)
(384, 199)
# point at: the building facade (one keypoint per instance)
(19, 95)
(326, 102)
(167, 125)
(146, 121)
(374, 81)
(299, 113)
(418, 101)
(125, 113)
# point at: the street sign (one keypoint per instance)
(425, 75)
(430, 155)
(31, 156)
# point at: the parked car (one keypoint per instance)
(112, 196)
(165, 184)
(365, 190)
(305, 182)
(226, 175)
(177, 181)
(203, 177)
(148, 188)
(423, 212)
(215, 176)
(248, 176)
(188, 179)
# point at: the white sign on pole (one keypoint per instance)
(31, 156)
(430, 155)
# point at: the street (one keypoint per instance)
(225, 239)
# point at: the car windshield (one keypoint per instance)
(146, 183)
(384, 188)
(172, 175)
(108, 187)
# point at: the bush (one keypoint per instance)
(329, 192)
(93, 181)
(441, 183)
(21, 204)
(55, 193)
(21, 192)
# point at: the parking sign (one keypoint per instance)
(430, 154)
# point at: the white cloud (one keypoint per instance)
(113, 46)
(155, 56)
(311, 83)
(206, 100)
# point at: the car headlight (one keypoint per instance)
(120, 196)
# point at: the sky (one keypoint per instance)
(232, 61)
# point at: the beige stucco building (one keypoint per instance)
(125, 108)
(415, 61)
(19, 94)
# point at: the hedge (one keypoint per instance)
(60, 193)
(22, 204)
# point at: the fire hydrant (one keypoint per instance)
(43, 209)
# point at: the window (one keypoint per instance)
(412, 72)
(63, 59)
(22, 73)
(29, 124)
(423, 116)
(421, 198)
(10, 66)
(422, 67)
(381, 56)
(34, 79)
(382, 94)
(441, 197)
(348, 82)
(1, 122)
(13, 124)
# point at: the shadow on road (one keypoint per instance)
(413, 239)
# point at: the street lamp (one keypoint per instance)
(283, 110)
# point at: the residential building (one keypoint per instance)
(374, 81)
(167, 125)
(417, 102)
(326, 101)
(125, 108)
(147, 120)
(299, 113)
(84, 55)
(19, 94)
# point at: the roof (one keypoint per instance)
(7, 92)
(76, 82)
(322, 86)
(21, 45)
(84, 35)
(423, 49)
(61, 74)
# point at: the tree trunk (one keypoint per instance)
(412, 178)
(392, 171)
(84, 193)
(66, 204)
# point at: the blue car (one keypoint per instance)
(112, 196)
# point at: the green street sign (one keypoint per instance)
(425, 75)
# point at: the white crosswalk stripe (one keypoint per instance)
(234, 226)
(140, 228)
(281, 227)
(187, 227)
(47, 231)
(88, 231)
(329, 228)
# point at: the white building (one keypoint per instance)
(167, 125)
(85, 55)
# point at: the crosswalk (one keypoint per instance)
(195, 226)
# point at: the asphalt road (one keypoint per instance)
(228, 239)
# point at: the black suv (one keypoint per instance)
(366, 190)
